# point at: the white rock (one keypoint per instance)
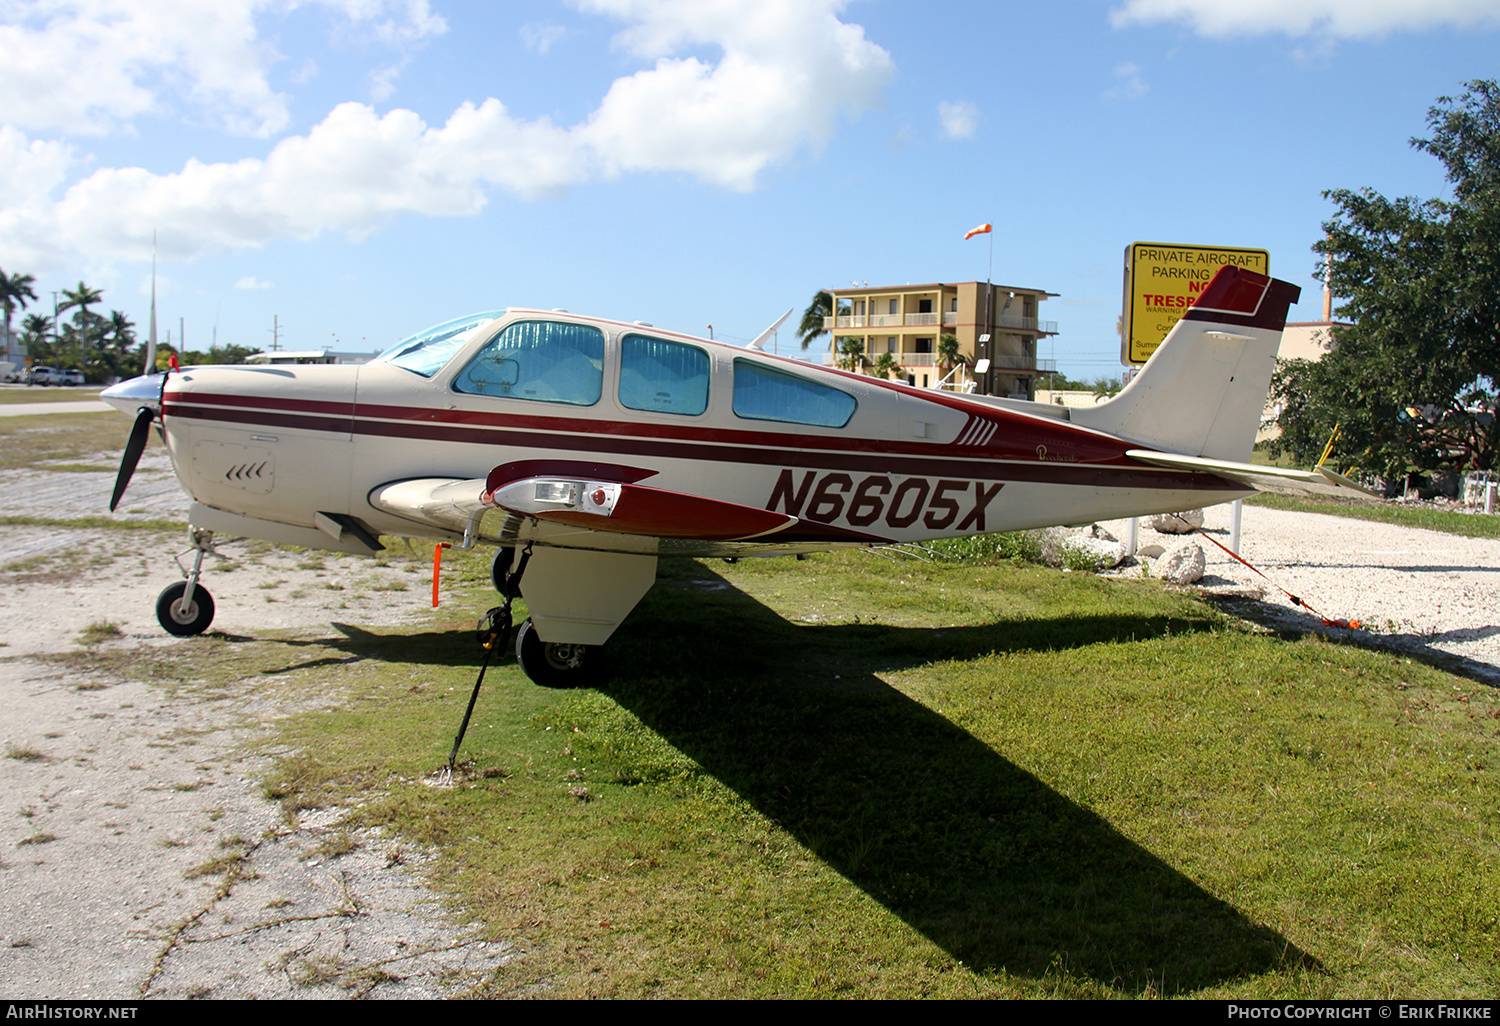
(1101, 552)
(1183, 565)
(1176, 523)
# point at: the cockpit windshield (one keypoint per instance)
(426, 352)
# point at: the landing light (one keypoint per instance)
(565, 492)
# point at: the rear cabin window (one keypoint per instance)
(659, 376)
(762, 392)
(544, 361)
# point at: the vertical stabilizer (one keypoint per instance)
(1204, 389)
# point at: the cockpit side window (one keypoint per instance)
(763, 392)
(660, 376)
(544, 361)
(426, 352)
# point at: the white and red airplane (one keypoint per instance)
(598, 446)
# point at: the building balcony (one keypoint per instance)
(1023, 363)
(885, 320)
(997, 363)
(920, 320)
(845, 321)
(1026, 324)
(950, 317)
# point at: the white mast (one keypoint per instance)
(151, 340)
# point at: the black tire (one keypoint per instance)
(558, 666)
(500, 566)
(200, 613)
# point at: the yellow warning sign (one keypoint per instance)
(1162, 280)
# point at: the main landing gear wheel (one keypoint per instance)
(184, 622)
(557, 665)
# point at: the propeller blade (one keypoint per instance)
(133, 449)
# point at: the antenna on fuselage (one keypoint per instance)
(760, 339)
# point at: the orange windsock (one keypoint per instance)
(981, 230)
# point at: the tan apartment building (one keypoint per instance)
(907, 321)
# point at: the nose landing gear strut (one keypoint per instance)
(186, 608)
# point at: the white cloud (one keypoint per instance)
(788, 69)
(383, 80)
(1341, 18)
(540, 37)
(252, 283)
(959, 120)
(92, 66)
(1129, 83)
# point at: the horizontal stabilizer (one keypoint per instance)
(1283, 480)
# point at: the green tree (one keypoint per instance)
(851, 353)
(81, 298)
(15, 291)
(1420, 280)
(950, 353)
(812, 318)
(885, 366)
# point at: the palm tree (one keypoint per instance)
(82, 297)
(15, 290)
(851, 353)
(949, 353)
(36, 336)
(885, 366)
(120, 330)
(812, 318)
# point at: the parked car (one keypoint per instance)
(42, 376)
(70, 377)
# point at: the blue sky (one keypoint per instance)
(363, 168)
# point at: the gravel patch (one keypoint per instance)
(1421, 592)
(138, 856)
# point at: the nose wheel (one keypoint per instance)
(186, 608)
(557, 665)
(184, 618)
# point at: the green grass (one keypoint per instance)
(1469, 525)
(13, 396)
(849, 777)
(26, 441)
(104, 522)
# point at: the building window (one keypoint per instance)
(924, 306)
(953, 305)
(924, 345)
(890, 344)
(893, 306)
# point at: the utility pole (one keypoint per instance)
(275, 332)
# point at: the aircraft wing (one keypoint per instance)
(599, 498)
(1318, 481)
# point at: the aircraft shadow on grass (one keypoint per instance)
(973, 851)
